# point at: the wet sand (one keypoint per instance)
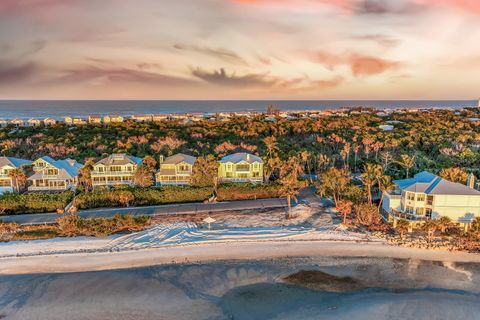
(81, 262)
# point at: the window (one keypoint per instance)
(419, 211)
(409, 210)
(420, 197)
(243, 167)
(5, 183)
(430, 200)
(229, 167)
(428, 212)
(410, 196)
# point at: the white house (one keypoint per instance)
(17, 122)
(54, 175)
(49, 121)
(427, 196)
(34, 122)
(8, 164)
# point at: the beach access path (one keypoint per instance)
(171, 209)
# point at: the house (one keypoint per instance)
(17, 122)
(112, 119)
(142, 117)
(34, 122)
(386, 127)
(3, 123)
(8, 164)
(241, 167)
(95, 119)
(427, 196)
(159, 117)
(74, 121)
(49, 121)
(54, 175)
(175, 170)
(115, 169)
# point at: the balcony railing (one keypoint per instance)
(252, 180)
(48, 188)
(109, 173)
(408, 216)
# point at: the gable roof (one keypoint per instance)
(179, 158)
(428, 183)
(13, 162)
(241, 157)
(119, 159)
(68, 168)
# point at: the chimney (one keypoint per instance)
(248, 156)
(160, 159)
(471, 181)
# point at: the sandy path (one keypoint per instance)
(80, 262)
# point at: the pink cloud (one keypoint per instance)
(360, 65)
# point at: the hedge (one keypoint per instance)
(12, 203)
(247, 191)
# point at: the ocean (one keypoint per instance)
(26, 109)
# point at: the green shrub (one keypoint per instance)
(12, 203)
(247, 191)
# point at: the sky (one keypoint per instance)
(239, 49)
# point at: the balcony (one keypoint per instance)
(48, 188)
(407, 216)
(111, 173)
(240, 180)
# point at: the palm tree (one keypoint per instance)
(408, 162)
(289, 189)
(333, 182)
(271, 145)
(444, 223)
(85, 175)
(385, 184)
(345, 208)
(430, 227)
(402, 227)
(19, 179)
(305, 156)
(387, 158)
(369, 177)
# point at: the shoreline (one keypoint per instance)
(214, 252)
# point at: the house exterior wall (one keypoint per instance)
(50, 178)
(182, 174)
(103, 175)
(241, 172)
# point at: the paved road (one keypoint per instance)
(186, 208)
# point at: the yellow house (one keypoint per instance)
(112, 119)
(8, 164)
(116, 169)
(175, 170)
(241, 167)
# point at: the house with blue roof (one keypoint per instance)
(7, 164)
(428, 196)
(54, 175)
(241, 167)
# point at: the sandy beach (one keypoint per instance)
(80, 262)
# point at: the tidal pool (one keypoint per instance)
(300, 288)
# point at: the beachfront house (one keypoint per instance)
(95, 119)
(116, 169)
(54, 175)
(34, 122)
(17, 122)
(142, 117)
(427, 196)
(112, 119)
(74, 121)
(49, 121)
(175, 170)
(241, 167)
(8, 164)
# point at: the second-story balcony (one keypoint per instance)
(111, 173)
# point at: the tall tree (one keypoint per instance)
(369, 178)
(289, 189)
(85, 175)
(454, 174)
(408, 162)
(143, 177)
(205, 172)
(19, 178)
(333, 182)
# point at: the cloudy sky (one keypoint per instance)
(239, 49)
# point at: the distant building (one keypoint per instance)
(8, 164)
(3, 123)
(74, 121)
(95, 119)
(386, 127)
(427, 196)
(159, 117)
(142, 117)
(54, 175)
(34, 122)
(49, 121)
(176, 170)
(17, 122)
(112, 119)
(116, 169)
(241, 167)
